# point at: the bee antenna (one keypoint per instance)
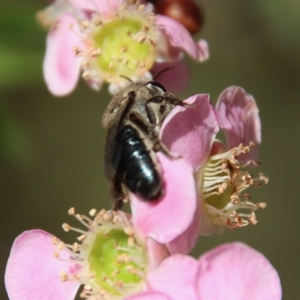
(162, 71)
(129, 79)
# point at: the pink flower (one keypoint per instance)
(111, 260)
(142, 242)
(32, 270)
(173, 220)
(110, 39)
(218, 170)
(230, 271)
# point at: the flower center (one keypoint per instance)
(222, 181)
(125, 49)
(119, 44)
(110, 261)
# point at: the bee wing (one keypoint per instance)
(117, 115)
(110, 148)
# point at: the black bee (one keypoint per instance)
(133, 118)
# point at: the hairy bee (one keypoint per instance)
(133, 118)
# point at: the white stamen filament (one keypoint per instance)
(224, 171)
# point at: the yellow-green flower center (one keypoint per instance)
(221, 200)
(125, 48)
(109, 260)
(111, 263)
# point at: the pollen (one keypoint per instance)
(223, 181)
(111, 261)
(120, 43)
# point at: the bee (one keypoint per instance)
(133, 119)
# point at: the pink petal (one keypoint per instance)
(165, 219)
(148, 296)
(100, 6)
(166, 52)
(218, 147)
(61, 66)
(176, 278)
(190, 131)
(237, 271)
(84, 4)
(156, 253)
(186, 242)
(238, 116)
(175, 79)
(181, 38)
(32, 271)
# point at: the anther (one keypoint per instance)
(246, 149)
(130, 242)
(95, 52)
(60, 246)
(79, 217)
(131, 269)
(222, 188)
(85, 64)
(66, 227)
(261, 205)
(63, 276)
(75, 247)
(111, 65)
(124, 49)
(87, 287)
(85, 24)
(77, 51)
(86, 74)
(115, 219)
(141, 7)
(247, 197)
(92, 212)
(102, 212)
(71, 211)
(56, 254)
(129, 231)
(55, 240)
(81, 237)
(115, 272)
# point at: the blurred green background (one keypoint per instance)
(51, 149)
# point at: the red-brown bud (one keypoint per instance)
(187, 12)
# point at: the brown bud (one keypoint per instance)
(187, 12)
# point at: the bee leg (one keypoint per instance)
(172, 100)
(158, 145)
(118, 195)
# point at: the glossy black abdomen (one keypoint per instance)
(134, 165)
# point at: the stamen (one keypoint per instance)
(63, 276)
(95, 52)
(128, 261)
(71, 27)
(222, 175)
(85, 24)
(107, 33)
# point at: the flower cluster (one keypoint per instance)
(106, 40)
(144, 254)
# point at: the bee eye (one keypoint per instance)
(156, 86)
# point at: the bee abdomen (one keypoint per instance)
(134, 165)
